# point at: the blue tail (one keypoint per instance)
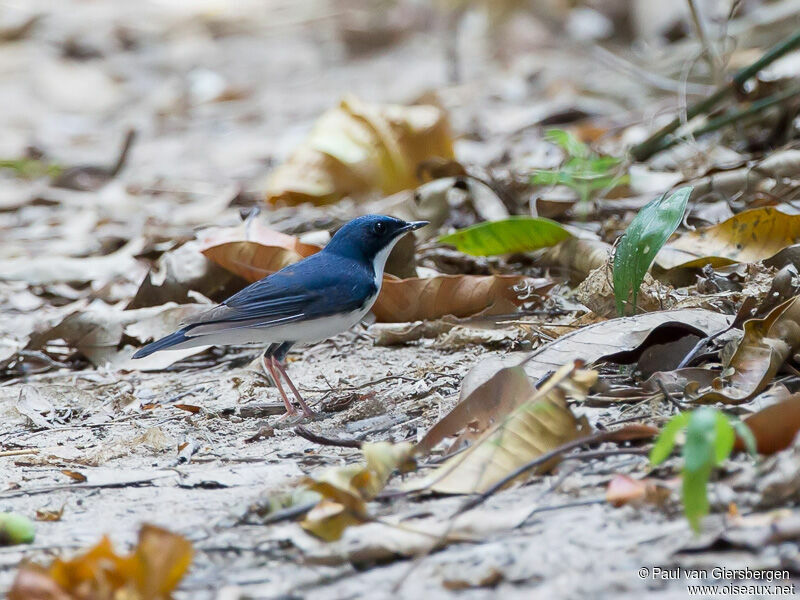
(172, 339)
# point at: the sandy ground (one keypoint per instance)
(160, 69)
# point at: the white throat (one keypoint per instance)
(380, 261)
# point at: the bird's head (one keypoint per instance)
(370, 238)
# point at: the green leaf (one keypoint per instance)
(645, 236)
(698, 451)
(516, 234)
(695, 498)
(746, 434)
(724, 437)
(561, 177)
(571, 145)
(666, 440)
(15, 529)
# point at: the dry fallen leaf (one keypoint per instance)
(489, 392)
(253, 250)
(750, 236)
(765, 346)
(419, 299)
(358, 149)
(151, 572)
(345, 490)
(541, 422)
(593, 342)
(774, 426)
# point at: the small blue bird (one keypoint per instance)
(308, 301)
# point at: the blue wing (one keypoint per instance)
(318, 286)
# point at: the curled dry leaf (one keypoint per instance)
(151, 572)
(763, 349)
(253, 251)
(607, 338)
(419, 299)
(489, 392)
(345, 490)
(540, 423)
(357, 149)
(750, 236)
(774, 426)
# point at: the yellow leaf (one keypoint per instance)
(357, 149)
(750, 236)
(536, 426)
(151, 572)
(346, 490)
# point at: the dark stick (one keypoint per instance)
(651, 145)
(595, 438)
(326, 441)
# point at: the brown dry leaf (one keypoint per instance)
(775, 426)
(345, 490)
(577, 256)
(357, 149)
(151, 572)
(98, 331)
(541, 422)
(253, 251)
(750, 236)
(489, 392)
(765, 346)
(623, 489)
(74, 475)
(593, 342)
(420, 299)
(46, 514)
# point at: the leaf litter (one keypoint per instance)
(471, 368)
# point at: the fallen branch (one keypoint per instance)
(326, 441)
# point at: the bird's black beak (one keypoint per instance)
(411, 226)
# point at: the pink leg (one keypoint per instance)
(269, 367)
(306, 410)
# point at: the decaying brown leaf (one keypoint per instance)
(419, 299)
(541, 422)
(357, 149)
(151, 572)
(98, 331)
(750, 236)
(593, 342)
(345, 490)
(775, 426)
(765, 346)
(489, 392)
(253, 251)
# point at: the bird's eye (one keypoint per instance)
(379, 228)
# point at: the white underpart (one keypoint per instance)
(303, 331)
